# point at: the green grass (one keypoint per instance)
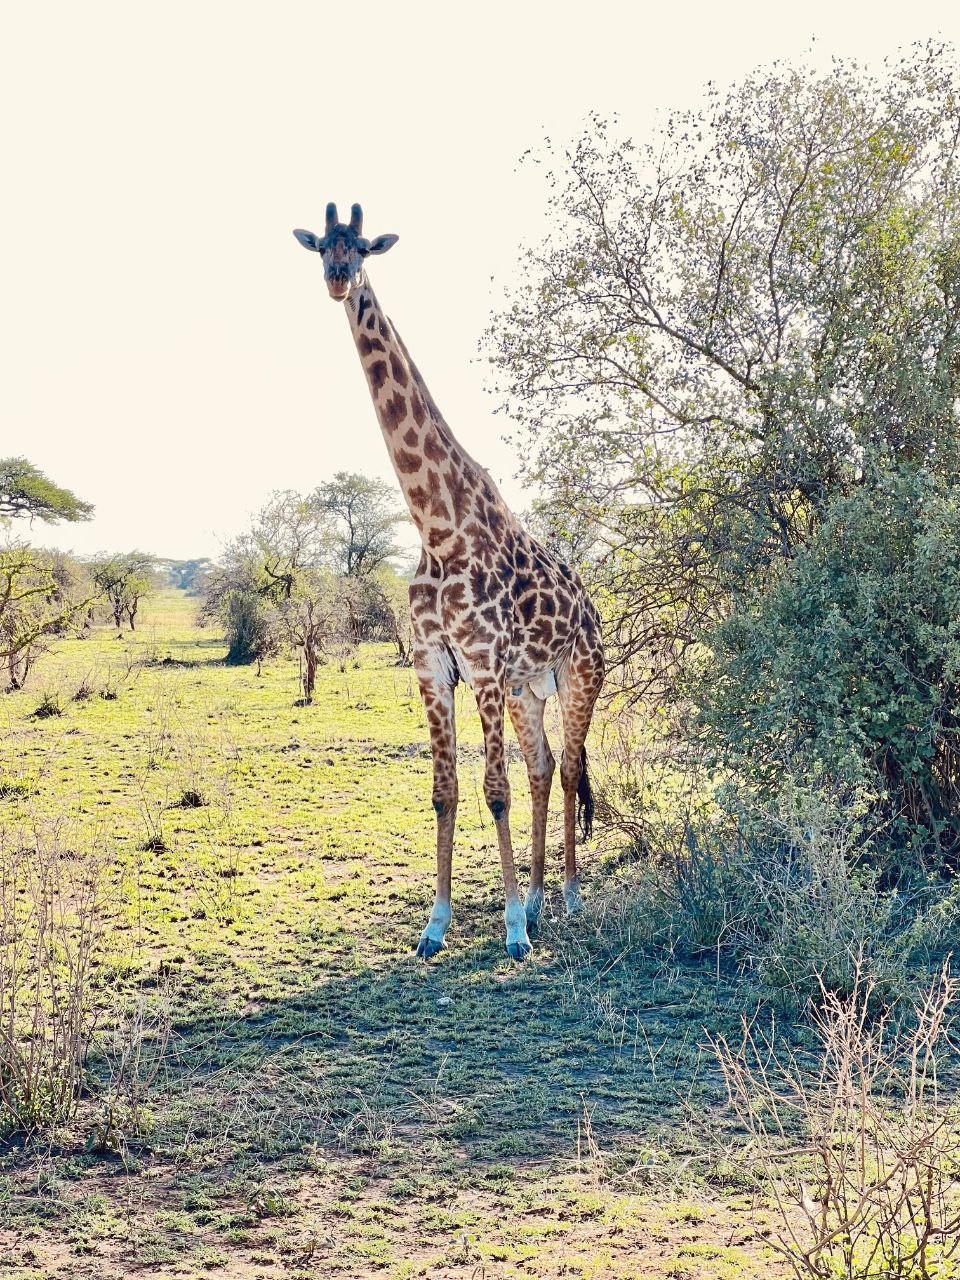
(328, 1105)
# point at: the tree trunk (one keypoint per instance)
(309, 671)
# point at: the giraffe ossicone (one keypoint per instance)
(488, 605)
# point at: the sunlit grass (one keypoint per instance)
(328, 1104)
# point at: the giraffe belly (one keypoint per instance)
(543, 686)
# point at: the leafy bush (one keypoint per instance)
(791, 891)
(846, 668)
(248, 629)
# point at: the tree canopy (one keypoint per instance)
(124, 578)
(365, 521)
(26, 491)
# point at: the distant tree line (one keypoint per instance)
(45, 594)
(313, 575)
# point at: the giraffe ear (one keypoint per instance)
(308, 239)
(382, 244)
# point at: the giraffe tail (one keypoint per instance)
(584, 798)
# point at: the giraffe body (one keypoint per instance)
(489, 605)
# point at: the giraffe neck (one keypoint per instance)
(444, 488)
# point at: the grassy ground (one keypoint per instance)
(326, 1104)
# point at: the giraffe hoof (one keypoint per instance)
(518, 950)
(428, 947)
(534, 907)
(572, 898)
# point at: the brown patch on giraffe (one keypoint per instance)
(429, 498)
(459, 492)
(369, 345)
(377, 374)
(408, 463)
(456, 560)
(423, 595)
(479, 584)
(417, 408)
(395, 410)
(431, 445)
(496, 522)
(528, 609)
(397, 369)
(454, 599)
(411, 437)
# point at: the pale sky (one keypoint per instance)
(168, 349)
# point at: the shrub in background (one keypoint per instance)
(846, 668)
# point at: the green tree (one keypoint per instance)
(365, 521)
(42, 594)
(124, 579)
(847, 667)
(26, 491)
(737, 357)
(727, 327)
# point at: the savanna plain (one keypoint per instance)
(275, 1086)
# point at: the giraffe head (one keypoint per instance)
(343, 250)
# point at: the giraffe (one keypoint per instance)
(489, 605)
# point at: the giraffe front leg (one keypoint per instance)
(496, 792)
(438, 702)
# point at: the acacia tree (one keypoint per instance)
(291, 533)
(726, 333)
(316, 623)
(26, 491)
(42, 594)
(124, 579)
(365, 521)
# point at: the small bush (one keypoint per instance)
(788, 891)
(49, 705)
(132, 1055)
(863, 1123)
(15, 789)
(86, 689)
(191, 799)
(52, 925)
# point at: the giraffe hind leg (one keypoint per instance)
(578, 689)
(491, 694)
(526, 711)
